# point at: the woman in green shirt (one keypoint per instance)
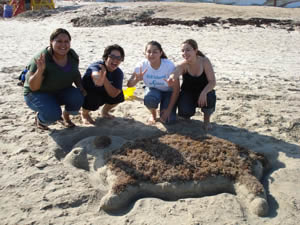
(49, 82)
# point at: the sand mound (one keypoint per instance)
(171, 167)
(172, 158)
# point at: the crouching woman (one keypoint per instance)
(49, 82)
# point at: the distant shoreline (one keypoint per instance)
(278, 3)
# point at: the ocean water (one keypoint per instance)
(279, 3)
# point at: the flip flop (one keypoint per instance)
(66, 123)
(39, 124)
(69, 123)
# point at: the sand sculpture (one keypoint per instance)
(171, 167)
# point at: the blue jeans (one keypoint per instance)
(153, 97)
(48, 104)
(188, 102)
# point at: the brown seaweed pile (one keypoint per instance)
(178, 158)
(99, 16)
(258, 22)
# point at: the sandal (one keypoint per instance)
(39, 124)
(69, 123)
(66, 123)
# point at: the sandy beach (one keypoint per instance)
(257, 69)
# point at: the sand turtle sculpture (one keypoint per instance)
(174, 166)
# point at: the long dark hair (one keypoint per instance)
(158, 45)
(110, 48)
(55, 34)
(194, 45)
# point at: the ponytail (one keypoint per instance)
(200, 53)
(158, 45)
(194, 45)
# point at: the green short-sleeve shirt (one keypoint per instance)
(55, 77)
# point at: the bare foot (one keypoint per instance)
(67, 121)
(183, 118)
(207, 126)
(151, 120)
(87, 119)
(106, 114)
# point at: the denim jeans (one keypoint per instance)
(188, 102)
(153, 97)
(48, 104)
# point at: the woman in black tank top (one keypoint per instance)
(198, 82)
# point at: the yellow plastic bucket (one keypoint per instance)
(129, 93)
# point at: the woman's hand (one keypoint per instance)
(99, 77)
(36, 78)
(170, 81)
(136, 77)
(165, 116)
(83, 91)
(202, 100)
(140, 76)
(40, 62)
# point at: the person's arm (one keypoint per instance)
(136, 77)
(174, 96)
(110, 89)
(98, 75)
(99, 78)
(210, 75)
(78, 83)
(175, 93)
(113, 87)
(179, 69)
(36, 78)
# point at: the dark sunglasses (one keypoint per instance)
(119, 58)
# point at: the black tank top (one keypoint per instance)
(194, 84)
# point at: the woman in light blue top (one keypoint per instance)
(154, 71)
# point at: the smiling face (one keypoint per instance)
(153, 54)
(113, 60)
(188, 52)
(61, 44)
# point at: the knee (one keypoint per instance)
(185, 110)
(92, 102)
(50, 116)
(75, 106)
(211, 103)
(185, 113)
(211, 99)
(78, 99)
(118, 99)
(151, 102)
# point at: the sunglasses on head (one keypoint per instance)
(119, 58)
